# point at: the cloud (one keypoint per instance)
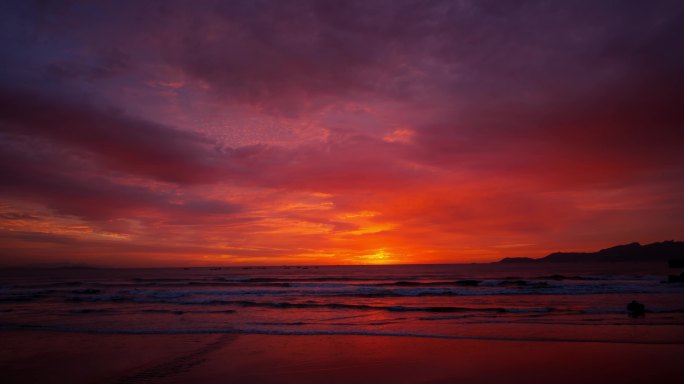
(261, 129)
(119, 141)
(52, 178)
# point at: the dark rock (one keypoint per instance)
(676, 278)
(636, 309)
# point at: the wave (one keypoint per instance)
(484, 289)
(316, 282)
(608, 311)
(318, 305)
(23, 295)
(460, 283)
(89, 311)
(363, 307)
(290, 332)
(495, 288)
(177, 312)
(303, 279)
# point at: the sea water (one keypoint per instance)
(543, 302)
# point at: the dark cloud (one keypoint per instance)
(357, 163)
(36, 237)
(104, 65)
(17, 216)
(53, 179)
(120, 141)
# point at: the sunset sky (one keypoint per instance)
(170, 133)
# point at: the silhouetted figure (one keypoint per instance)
(676, 263)
(636, 309)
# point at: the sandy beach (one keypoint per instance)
(38, 357)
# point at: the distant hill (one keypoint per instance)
(633, 252)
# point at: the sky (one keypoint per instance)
(173, 133)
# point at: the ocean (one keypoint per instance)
(531, 302)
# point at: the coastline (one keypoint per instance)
(38, 356)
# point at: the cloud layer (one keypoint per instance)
(310, 132)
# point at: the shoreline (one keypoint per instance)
(37, 356)
(228, 332)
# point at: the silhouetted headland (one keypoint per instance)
(633, 252)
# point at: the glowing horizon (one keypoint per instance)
(302, 133)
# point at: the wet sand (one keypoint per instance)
(37, 357)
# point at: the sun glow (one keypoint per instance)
(380, 256)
